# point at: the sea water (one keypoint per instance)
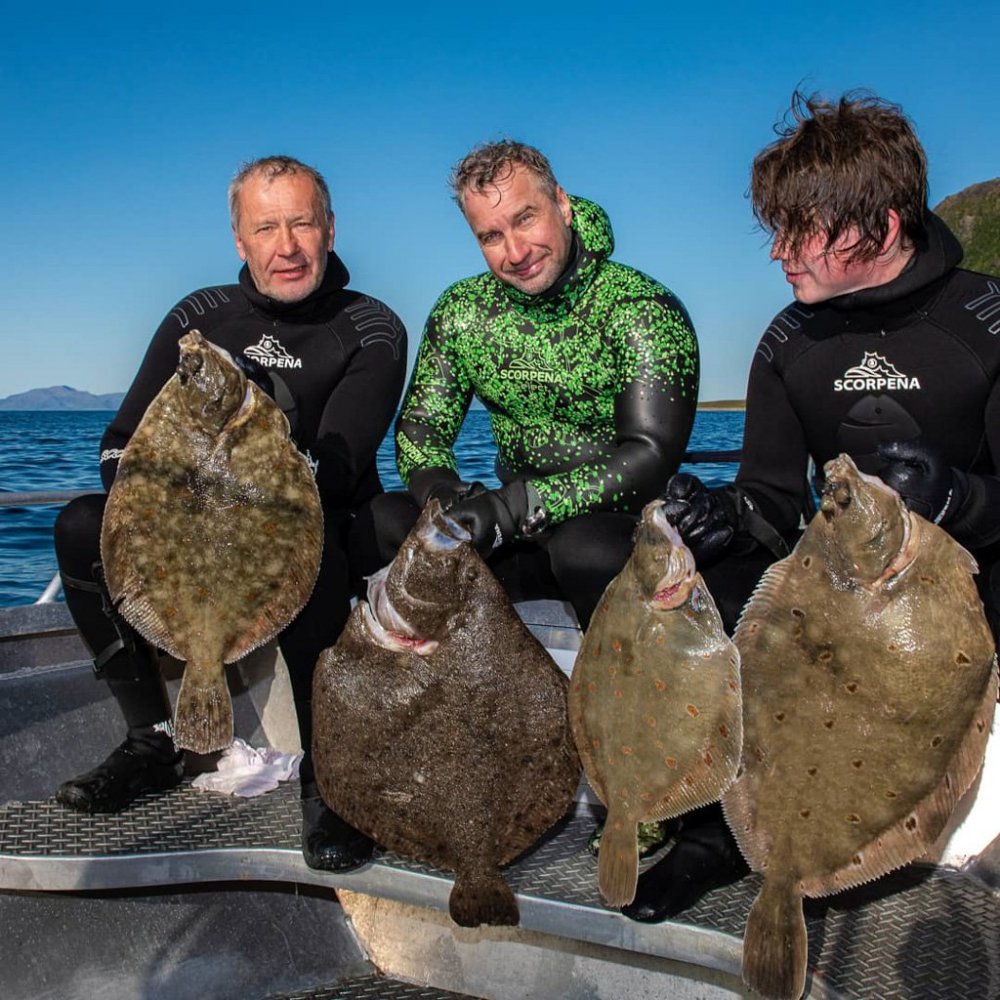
(59, 451)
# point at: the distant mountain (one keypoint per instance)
(61, 397)
(974, 217)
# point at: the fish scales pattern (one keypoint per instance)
(213, 531)
(655, 698)
(869, 685)
(445, 739)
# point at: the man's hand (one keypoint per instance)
(920, 476)
(450, 493)
(492, 517)
(705, 518)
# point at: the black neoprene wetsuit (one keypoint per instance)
(341, 360)
(918, 356)
(591, 389)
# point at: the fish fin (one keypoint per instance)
(775, 944)
(482, 898)
(203, 719)
(618, 861)
(763, 597)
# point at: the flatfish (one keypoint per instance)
(869, 684)
(440, 724)
(213, 531)
(654, 701)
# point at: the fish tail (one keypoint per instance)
(203, 720)
(482, 898)
(775, 946)
(618, 861)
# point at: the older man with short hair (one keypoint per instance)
(334, 360)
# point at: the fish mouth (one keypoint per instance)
(677, 585)
(387, 626)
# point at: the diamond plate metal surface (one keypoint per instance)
(919, 934)
(373, 988)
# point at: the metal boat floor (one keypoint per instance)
(373, 987)
(922, 932)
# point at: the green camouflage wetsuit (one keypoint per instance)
(591, 389)
(591, 386)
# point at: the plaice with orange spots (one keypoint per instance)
(869, 685)
(232, 553)
(654, 700)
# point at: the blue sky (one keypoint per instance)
(122, 127)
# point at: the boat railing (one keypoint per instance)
(36, 498)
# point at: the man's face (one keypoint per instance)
(817, 273)
(283, 235)
(523, 231)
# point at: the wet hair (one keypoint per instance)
(493, 161)
(270, 167)
(840, 165)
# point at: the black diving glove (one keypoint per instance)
(442, 485)
(255, 372)
(706, 518)
(493, 517)
(921, 477)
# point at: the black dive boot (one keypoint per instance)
(705, 857)
(330, 843)
(135, 767)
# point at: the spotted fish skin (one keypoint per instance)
(869, 685)
(213, 531)
(654, 699)
(440, 724)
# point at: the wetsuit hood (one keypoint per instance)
(593, 243)
(934, 256)
(335, 278)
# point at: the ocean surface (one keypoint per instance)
(59, 451)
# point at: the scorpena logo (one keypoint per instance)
(271, 354)
(530, 368)
(872, 375)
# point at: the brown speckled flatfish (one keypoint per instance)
(440, 724)
(213, 531)
(654, 700)
(869, 686)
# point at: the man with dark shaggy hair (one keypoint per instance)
(890, 352)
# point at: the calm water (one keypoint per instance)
(58, 451)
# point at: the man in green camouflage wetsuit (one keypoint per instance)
(589, 371)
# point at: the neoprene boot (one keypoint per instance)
(147, 759)
(705, 857)
(134, 767)
(330, 843)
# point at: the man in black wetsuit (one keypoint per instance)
(890, 352)
(589, 371)
(334, 360)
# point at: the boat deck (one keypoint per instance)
(190, 886)
(921, 933)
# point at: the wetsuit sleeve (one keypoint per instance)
(157, 367)
(358, 413)
(657, 359)
(975, 522)
(436, 401)
(774, 463)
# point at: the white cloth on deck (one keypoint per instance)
(246, 771)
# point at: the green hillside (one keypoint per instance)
(974, 217)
